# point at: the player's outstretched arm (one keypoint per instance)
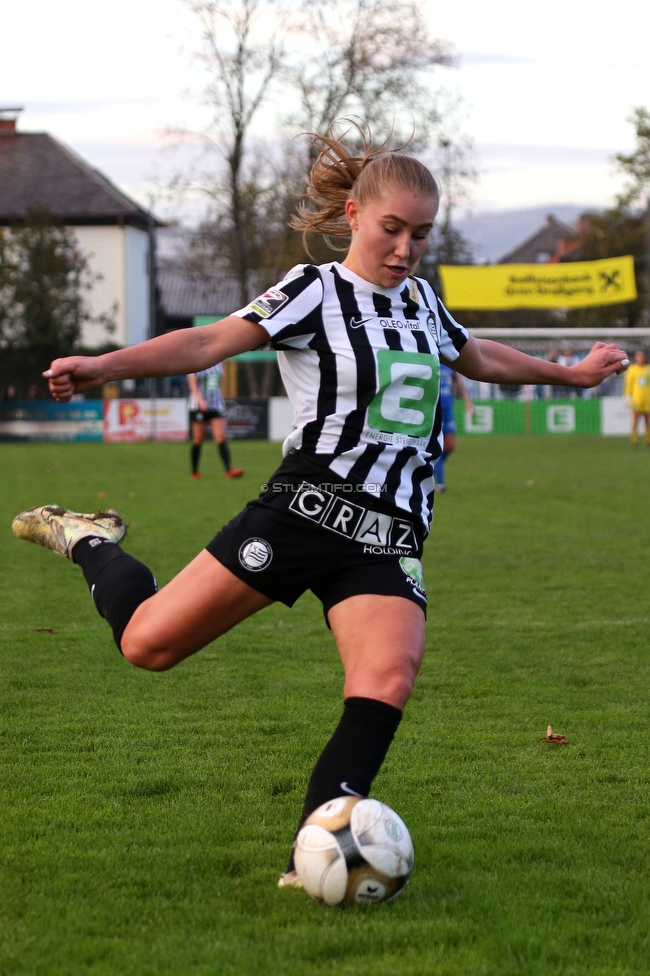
(184, 351)
(492, 362)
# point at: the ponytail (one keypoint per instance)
(338, 176)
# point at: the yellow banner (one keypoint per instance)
(576, 284)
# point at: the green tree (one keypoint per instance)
(612, 233)
(43, 277)
(637, 165)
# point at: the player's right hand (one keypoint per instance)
(72, 375)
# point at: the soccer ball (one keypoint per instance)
(354, 850)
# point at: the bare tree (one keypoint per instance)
(240, 66)
(455, 172)
(367, 58)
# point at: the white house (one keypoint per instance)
(113, 231)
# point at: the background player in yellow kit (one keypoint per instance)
(637, 390)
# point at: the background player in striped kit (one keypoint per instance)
(359, 345)
(450, 383)
(207, 406)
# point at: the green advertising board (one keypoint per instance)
(529, 417)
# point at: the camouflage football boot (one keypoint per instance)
(60, 530)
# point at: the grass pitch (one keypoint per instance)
(146, 817)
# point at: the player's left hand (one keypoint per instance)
(603, 360)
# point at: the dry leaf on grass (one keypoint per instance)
(554, 738)
(45, 630)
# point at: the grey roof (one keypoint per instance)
(184, 294)
(544, 241)
(36, 170)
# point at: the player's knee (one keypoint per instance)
(399, 687)
(144, 652)
(396, 684)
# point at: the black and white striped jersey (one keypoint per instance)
(209, 384)
(360, 364)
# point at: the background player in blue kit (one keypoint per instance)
(207, 406)
(450, 384)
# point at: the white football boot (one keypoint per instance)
(60, 530)
(289, 879)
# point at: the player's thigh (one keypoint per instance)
(200, 604)
(198, 432)
(381, 643)
(218, 429)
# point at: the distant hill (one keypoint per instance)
(494, 234)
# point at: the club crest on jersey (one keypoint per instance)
(269, 302)
(431, 326)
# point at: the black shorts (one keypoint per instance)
(204, 416)
(290, 541)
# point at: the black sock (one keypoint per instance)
(195, 455)
(353, 756)
(224, 451)
(118, 582)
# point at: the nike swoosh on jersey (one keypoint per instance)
(346, 789)
(357, 323)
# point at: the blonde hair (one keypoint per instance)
(338, 176)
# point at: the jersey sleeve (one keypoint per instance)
(291, 310)
(452, 335)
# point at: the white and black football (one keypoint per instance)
(354, 850)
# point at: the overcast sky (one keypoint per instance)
(547, 88)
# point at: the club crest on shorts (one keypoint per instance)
(255, 554)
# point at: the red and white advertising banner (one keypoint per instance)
(145, 420)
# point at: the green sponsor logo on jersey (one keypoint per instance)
(408, 393)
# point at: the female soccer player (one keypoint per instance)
(207, 406)
(346, 514)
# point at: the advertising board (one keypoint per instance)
(45, 420)
(144, 420)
